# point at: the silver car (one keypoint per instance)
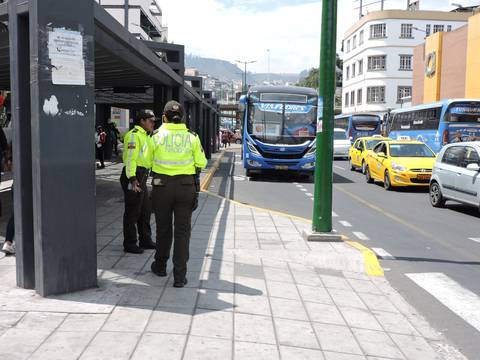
(456, 175)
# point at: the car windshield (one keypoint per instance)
(278, 123)
(410, 150)
(340, 135)
(370, 144)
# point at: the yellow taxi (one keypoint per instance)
(400, 163)
(360, 148)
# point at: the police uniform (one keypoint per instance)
(137, 160)
(177, 154)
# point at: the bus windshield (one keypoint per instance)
(464, 113)
(365, 123)
(410, 150)
(282, 123)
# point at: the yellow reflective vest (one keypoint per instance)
(177, 151)
(137, 151)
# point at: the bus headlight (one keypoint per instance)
(252, 148)
(254, 163)
(311, 152)
(309, 165)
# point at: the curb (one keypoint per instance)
(205, 182)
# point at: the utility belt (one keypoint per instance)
(141, 174)
(163, 180)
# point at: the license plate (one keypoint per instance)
(281, 167)
(424, 177)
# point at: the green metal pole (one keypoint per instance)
(322, 209)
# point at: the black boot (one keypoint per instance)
(180, 284)
(148, 245)
(159, 270)
(133, 249)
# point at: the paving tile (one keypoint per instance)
(83, 322)
(249, 270)
(246, 235)
(63, 345)
(339, 356)
(250, 286)
(315, 294)
(111, 345)
(142, 296)
(377, 343)
(217, 281)
(21, 343)
(378, 302)
(414, 347)
(310, 278)
(346, 298)
(155, 346)
(170, 320)
(133, 319)
(41, 320)
(250, 351)
(395, 323)
(335, 282)
(173, 297)
(363, 286)
(275, 274)
(360, 318)
(295, 353)
(283, 290)
(323, 313)
(217, 324)
(336, 338)
(202, 348)
(254, 328)
(9, 319)
(295, 333)
(248, 304)
(215, 300)
(288, 309)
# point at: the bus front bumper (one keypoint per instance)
(259, 163)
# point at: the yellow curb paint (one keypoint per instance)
(372, 266)
(205, 182)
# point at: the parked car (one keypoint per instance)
(456, 175)
(341, 144)
(400, 163)
(360, 148)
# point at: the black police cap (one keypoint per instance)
(145, 114)
(174, 107)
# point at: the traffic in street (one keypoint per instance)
(430, 255)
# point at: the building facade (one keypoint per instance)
(447, 65)
(378, 56)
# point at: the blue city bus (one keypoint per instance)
(359, 125)
(437, 124)
(279, 129)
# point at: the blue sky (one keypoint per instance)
(245, 29)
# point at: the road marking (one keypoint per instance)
(475, 239)
(334, 214)
(345, 223)
(299, 186)
(303, 189)
(461, 301)
(295, 183)
(361, 235)
(309, 194)
(382, 254)
(339, 167)
(372, 266)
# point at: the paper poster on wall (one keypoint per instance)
(65, 50)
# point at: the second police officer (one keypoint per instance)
(137, 159)
(177, 155)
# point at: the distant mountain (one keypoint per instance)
(226, 71)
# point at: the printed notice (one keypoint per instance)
(320, 115)
(65, 50)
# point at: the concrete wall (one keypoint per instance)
(418, 74)
(431, 86)
(472, 86)
(452, 81)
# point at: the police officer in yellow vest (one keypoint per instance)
(177, 154)
(137, 160)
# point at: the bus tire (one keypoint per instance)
(368, 177)
(387, 183)
(436, 198)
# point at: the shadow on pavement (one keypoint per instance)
(442, 261)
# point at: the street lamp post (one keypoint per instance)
(245, 63)
(322, 212)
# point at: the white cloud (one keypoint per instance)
(292, 33)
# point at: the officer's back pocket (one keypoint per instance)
(187, 180)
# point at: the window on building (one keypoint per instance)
(378, 31)
(406, 62)
(354, 42)
(428, 28)
(375, 94)
(449, 28)
(360, 38)
(352, 98)
(360, 67)
(438, 28)
(347, 77)
(346, 99)
(403, 92)
(353, 70)
(406, 31)
(359, 97)
(348, 46)
(377, 63)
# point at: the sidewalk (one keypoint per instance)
(256, 291)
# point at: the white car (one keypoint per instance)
(456, 175)
(341, 144)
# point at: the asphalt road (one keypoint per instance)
(413, 237)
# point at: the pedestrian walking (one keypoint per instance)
(114, 135)
(100, 141)
(137, 159)
(225, 138)
(177, 155)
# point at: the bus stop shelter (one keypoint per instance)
(65, 62)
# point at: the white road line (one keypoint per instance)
(475, 239)
(309, 194)
(339, 167)
(299, 186)
(461, 301)
(382, 254)
(295, 183)
(303, 189)
(345, 223)
(334, 214)
(361, 235)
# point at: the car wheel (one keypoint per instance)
(436, 198)
(364, 166)
(387, 183)
(368, 177)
